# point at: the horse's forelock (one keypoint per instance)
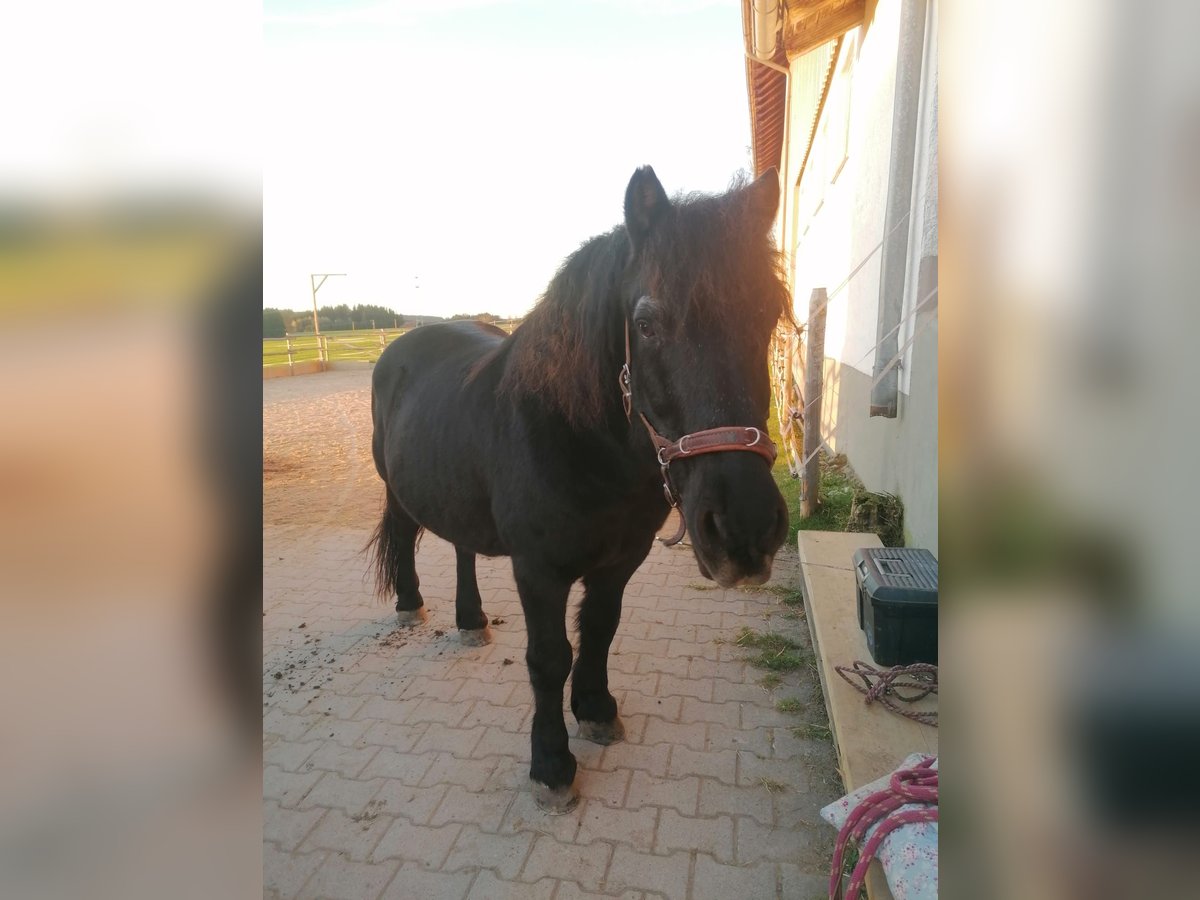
(711, 255)
(715, 260)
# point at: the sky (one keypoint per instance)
(447, 155)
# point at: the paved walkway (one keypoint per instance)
(395, 762)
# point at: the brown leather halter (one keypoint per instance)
(710, 440)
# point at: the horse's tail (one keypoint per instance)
(391, 547)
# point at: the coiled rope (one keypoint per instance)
(884, 684)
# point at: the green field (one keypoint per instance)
(362, 345)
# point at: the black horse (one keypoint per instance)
(547, 446)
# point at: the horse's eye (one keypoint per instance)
(645, 329)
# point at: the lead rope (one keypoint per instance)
(924, 681)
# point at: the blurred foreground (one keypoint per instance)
(1069, 284)
(130, 456)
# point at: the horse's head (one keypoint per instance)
(704, 295)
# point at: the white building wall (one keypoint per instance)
(834, 224)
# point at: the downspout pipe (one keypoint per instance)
(909, 54)
(764, 16)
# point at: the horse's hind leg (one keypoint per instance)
(395, 543)
(468, 606)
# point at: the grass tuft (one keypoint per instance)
(770, 681)
(773, 786)
(789, 705)
(812, 732)
(776, 652)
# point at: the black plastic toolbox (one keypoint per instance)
(897, 603)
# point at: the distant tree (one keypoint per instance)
(273, 325)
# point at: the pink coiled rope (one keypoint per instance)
(916, 785)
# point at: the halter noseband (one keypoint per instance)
(710, 440)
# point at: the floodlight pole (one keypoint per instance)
(316, 286)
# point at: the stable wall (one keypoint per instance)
(834, 221)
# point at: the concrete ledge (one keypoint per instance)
(870, 740)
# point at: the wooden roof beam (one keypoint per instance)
(810, 24)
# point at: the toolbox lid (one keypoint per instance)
(897, 574)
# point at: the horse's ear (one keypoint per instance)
(645, 203)
(762, 198)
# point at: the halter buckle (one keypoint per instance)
(626, 391)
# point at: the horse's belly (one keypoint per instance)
(435, 478)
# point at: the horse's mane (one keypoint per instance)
(569, 349)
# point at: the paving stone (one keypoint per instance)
(441, 712)
(717, 798)
(723, 737)
(569, 890)
(712, 836)
(289, 755)
(604, 823)
(714, 880)
(475, 849)
(397, 738)
(719, 764)
(412, 882)
(678, 793)
(457, 741)
(652, 759)
(352, 837)
(416, 804)
(753, 769)
(584, 864)
(287, 828)
(421, 844)
(608, 788)
(496, 742)
(757, 842)
(348, 761)
(496, 693)
(287, 788)
(662, 665)
(349, 794)
(489, 887)
(285, 872)
(666, 875)
(344, 879)
(524, 816)
(471, 774)
(348, 734)
(693, 736)
(665, 708)
(485, 809)
(425, 687)
(504, 718)
(795, 882)
(407, 767)
(701, 711)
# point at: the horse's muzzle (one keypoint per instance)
(735, 545)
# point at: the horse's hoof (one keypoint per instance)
(556, 801)
(603, 732)
(408, 618)
(475, 637)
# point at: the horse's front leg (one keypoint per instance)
(548, 656)
(593, 706)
